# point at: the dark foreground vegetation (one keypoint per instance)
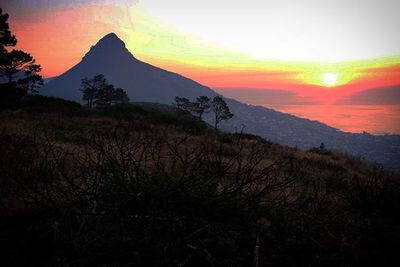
(131, 185)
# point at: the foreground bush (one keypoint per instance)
(161, 196)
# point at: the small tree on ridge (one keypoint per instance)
(221, 110)
(201, 106)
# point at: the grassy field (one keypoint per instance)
(148, 185)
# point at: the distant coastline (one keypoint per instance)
(353, 118)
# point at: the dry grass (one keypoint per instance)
(104, 188)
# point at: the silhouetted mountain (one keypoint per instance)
(142, 81)
(146, 83)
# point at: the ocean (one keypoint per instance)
(374, 119)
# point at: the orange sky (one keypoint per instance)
(59, 36)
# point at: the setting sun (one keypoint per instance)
(330, 79)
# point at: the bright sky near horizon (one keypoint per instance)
(307, 30)
(325, 50)
(312, 53)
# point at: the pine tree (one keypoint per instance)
(19, 73)
(184, 104)
(221, 110)
(6, 38)
(201, 106)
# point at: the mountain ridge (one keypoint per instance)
(111, 58)
(147, 83)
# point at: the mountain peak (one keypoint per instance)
(111, 41)
(109, 46)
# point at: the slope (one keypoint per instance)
(147, 83)
(141, 186)
(143, 82)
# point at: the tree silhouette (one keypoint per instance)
(16, 62)
(120, 96)
(184, 104)
(104, 96)
(97, 91)
(18, 69)
(109, 96)
(91, 87)
(201, 106)
(6, 38)
(221, 110)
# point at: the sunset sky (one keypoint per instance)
(321, 51)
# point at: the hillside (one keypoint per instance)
(143, 82)
(147, 185)
(146, 83)
(286, 129)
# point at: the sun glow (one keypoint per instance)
(159, 41)
(330, 79)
